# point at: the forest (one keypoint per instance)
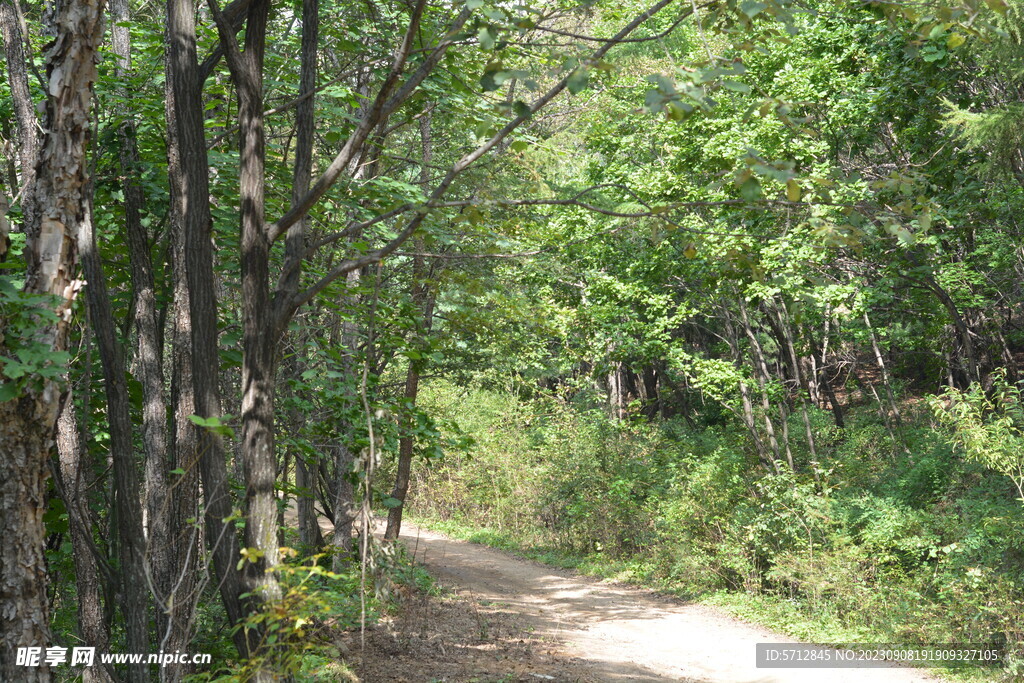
(724, 298)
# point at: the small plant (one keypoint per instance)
(294, 632)
(988, 426)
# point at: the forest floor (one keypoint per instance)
(504, 618)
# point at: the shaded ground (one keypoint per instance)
(459, 639)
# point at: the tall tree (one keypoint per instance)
(28, 419)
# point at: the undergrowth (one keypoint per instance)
(871, 542)
(299, 634)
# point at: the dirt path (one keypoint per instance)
(616, 632)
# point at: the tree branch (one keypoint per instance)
(464, 163)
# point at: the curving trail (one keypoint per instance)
(620, 633)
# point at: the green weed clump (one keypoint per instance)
(873, 541)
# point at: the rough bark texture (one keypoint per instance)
(344, 506)
(295, 240)
(183, 72)
(149, 369)
(183, 497)
(75, 477)
(259, 333)
(131, 546)
(28, 423)
(29, 141)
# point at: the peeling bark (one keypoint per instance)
(28, 423)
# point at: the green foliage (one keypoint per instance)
(298, 633)
(876, 545)
(987, 425)
(25, 359)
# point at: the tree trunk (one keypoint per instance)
(346, 334)
(424, 303)
(75, 479)
(148, 334)
(305, 481)
(127, 504)
(259, 328)
(761, 372)
(823, 381)
(885, 372)
(183, 73)
(344, 507)
(29, 141)
(405, 453)
(28, 422)
(801, 385)
(295, 240)
(963, 330)
(747, 414)
(183, 497)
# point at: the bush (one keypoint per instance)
(874, 542)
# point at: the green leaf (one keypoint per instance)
(925, 220)
(215, 425)
(736, 86)
(486, 37)
(752, 9)
(750, 190)
(930, 53)
(654, 100)
(490, 79)
(391, 502)
(9, 391)
(578, 80)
